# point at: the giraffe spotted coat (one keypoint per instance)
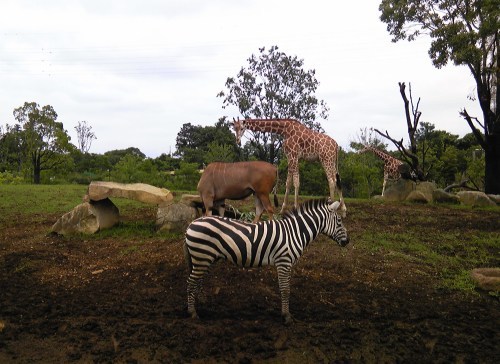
(300, 142)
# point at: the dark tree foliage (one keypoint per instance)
(195, 143)
(465, 32)
(44, 140)
(114, 156)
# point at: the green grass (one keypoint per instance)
(449, 254)
(38, 199)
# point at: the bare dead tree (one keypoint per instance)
(85, 136)
(412, 114)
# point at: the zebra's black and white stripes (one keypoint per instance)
(278, 242)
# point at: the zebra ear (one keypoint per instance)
(334, 206)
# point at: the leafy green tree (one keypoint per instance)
(185, 178)
(127, 169)
(90, 167)
(219, 153)
(465, 32)
(362, 175)
(11, 148)
(193, 142)
(45, 142)
(274, 85)
(114, 156)
(166, 162)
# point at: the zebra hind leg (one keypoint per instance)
(194, 283)
(194, 286)
(284, 273)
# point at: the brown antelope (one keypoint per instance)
(236, 181)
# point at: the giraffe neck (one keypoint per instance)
(385, 157)
(282, 127)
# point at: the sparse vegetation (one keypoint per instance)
(405, 274)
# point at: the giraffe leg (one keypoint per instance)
(383, 187)
(331, 186)
(296, 186)
(287, 190)
(284, 273)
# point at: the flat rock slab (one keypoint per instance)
(88, 218)
(99, 190)
(475, 199)
(487, 278)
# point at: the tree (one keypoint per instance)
(114, 156)
(409, 154)
(465, 32)
(195, 143)
(11, 148)
(44, 140)
(85, 136)
(274, 86)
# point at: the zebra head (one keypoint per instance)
(333, 225)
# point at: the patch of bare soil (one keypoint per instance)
(72, 299)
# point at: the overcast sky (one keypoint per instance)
(136, 71)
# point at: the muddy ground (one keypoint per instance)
(84, 300)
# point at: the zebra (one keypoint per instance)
(276, 242)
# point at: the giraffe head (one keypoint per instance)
(365, 148)
(239, 129)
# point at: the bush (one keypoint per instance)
(7, 178)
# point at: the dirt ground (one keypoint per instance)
(72, 299)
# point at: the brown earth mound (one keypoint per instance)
(68, 299)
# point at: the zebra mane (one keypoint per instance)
(307, 205)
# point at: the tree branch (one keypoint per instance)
(477, 133)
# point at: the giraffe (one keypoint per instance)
(300, 142)
(392, 166)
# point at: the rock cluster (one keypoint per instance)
(98, 212)
(427, 192)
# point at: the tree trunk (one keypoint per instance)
(36, 168)
(36, 175)
(492, 164)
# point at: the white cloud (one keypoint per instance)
(136, 71)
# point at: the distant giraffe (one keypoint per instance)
(300, 142)
(392, 166)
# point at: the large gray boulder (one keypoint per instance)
(494, 198)
(99, 190)
(417, 197)
(475, 199)
(426, 188)
(88, 218)
(175, 217)
(441, 196)
(399, 190)
(487, 279)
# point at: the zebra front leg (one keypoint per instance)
(284, 273)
